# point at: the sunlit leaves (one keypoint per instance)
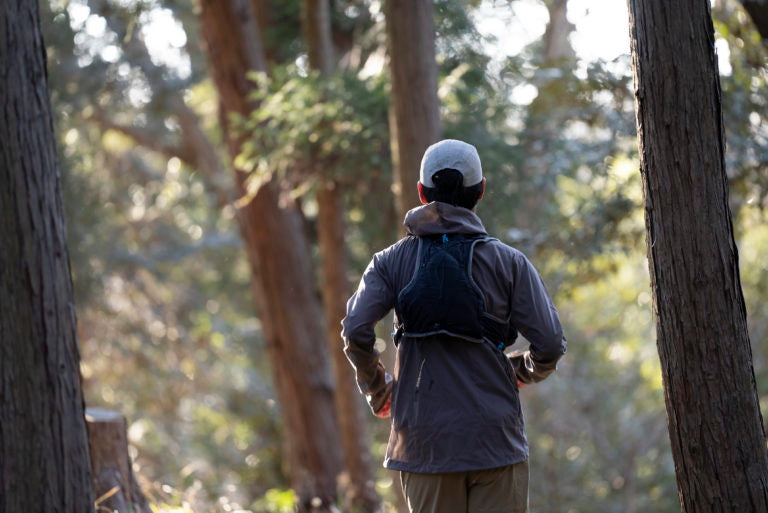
(304, 123)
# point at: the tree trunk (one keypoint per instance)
(360, 493)
(316, 25)
(43, 441)
(114, 483)
(556, 44)
(411, 44)
(284, 286)
(544, 120)
(758, 11)
(713, 414)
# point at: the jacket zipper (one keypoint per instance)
(416, 392)
(418, 378)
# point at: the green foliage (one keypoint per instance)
(745, 101)
(308, 129)
(166, 327)
(276, 501)
(166, 324)
(306, 122)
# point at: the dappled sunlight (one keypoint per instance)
(176, 254)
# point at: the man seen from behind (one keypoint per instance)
(460, 298)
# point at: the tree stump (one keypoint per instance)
(114, 485)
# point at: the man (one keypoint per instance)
(460, 298)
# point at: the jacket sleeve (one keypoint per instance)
(373, 300)
(536, 318)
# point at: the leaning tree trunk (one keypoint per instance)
(713, 415)
(284, 285)
(360, 493)
(43, 441)
(415, 107)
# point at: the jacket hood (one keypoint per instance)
(436, 218)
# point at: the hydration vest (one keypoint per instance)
(442, 298)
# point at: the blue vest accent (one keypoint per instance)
(442, 298)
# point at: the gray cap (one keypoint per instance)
(451, 154)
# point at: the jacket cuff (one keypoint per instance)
(531, 368)
(379, 393)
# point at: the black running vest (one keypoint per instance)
(442, 298)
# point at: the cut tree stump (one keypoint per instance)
(114, 485)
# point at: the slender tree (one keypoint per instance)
(713, 415)
(361, 494)
(284, 286)
(44, 463)
(542, 127)
(415, 110)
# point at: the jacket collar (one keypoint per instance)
(436, 218)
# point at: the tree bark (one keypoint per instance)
(758, 11)
(360, 493)
(113, 479)
(284, 286)
(43, 442)
(713, 414)
(411, 44)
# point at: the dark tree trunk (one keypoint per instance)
(713, 413)
(411, 43)
(43, 441)
(758, 11)
(284, 285)
(360, 493)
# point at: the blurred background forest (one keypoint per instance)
(168, 328)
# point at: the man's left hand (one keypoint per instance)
(385, 410)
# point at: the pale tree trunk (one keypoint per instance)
(556, 43)
(279, 255)
(43, 442)
(360, 491)
(713, 414)
(416, 110)
(542, 126)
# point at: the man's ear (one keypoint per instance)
(421, 194)
(482, 190)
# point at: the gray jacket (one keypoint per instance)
(455, 404)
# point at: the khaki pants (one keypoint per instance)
(496, 490)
